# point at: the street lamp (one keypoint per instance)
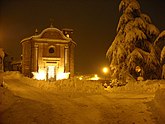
(105, 71)
(138, 69)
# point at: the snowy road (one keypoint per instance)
(34, 106)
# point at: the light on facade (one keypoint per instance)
(61, 75)
(40, 75)
(50, 73)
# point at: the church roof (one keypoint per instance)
(50, 34)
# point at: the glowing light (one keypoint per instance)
(105, 70)
(51, 72)
(67, 35)
(80, 78)
(137, 69)
(95, 77)
(61, 76)
(40, 75)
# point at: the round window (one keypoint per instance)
(51, 50)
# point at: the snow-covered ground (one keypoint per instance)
(27, 101)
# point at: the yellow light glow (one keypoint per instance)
(80, 78)
(95, 77)
(51, 72)
(40, 75)
(61, 76)
(67, 35)
(137, 69)
(105, 70)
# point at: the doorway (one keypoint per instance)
(51, 72)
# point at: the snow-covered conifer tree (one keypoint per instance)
(133, 46)
(160, 47)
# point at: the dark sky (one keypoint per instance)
(94, 23)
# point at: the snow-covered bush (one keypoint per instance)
(148, 86)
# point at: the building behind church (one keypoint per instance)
(48, 55)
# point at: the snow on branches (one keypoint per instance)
(133, 45)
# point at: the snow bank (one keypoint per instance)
(158, 105)
(81, 86)
(12, 74)
(70, 85)
(160, 97)
(6, 99)
(64, 86)
(148, 86)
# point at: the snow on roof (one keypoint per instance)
(53, 30)
(16, 62)
(50, 34)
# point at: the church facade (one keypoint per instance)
(48, 55)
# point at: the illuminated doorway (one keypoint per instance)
(51, 72)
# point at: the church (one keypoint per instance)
(48, 55)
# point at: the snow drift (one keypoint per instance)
(72, 86)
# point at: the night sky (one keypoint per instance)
(94, 23)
